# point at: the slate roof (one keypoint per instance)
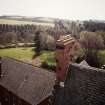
(84, 85)
(30, 83)
(64, 40)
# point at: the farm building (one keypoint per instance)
(24, 84)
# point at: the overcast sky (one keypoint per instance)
(65, 9)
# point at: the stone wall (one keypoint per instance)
(84, 85)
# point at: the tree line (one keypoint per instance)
(10, 34)
(26, 33)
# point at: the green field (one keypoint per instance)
(26, 54)
(18, 53)
(102, 54)
(49, 57)
(16, 22)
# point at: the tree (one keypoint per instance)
(37, 43)
(43, 39)
(102, 33)
(40, 41)
(10, 38)
(91, 44)
(50, 43)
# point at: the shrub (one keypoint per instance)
(47, 66)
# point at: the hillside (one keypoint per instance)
(31, 19)
(26, 20)
(17, 22)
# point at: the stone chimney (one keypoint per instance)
(64, 55)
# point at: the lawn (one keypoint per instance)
(18, 53)
(102, 54)
(26, 54)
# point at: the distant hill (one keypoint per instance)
(18, 22)
(27, 20)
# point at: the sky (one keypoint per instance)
(64, 9)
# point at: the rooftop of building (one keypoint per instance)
(30, 83)
(84, 85)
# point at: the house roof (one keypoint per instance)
(64, 40)
(30, 83)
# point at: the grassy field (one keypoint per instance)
(102, 54)
(18, 53)
(26, 54)
(16, 22)
(49, 57)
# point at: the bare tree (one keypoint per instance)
(50, 43)
(10, 38)
(91, 44)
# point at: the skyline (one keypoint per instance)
(63, 9)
